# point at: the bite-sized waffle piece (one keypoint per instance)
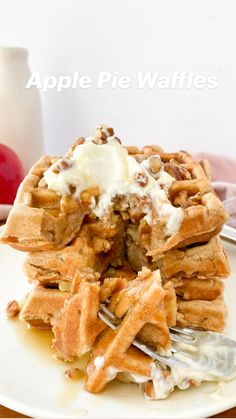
(198, 289)
(77, 324)
(111, 353)
(97, 244)
(204, 214)
(41, 219)
(41, 306)
(151, 334)
(200, 314)
(202, 260)
(110, 357)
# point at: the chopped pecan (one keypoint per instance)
(141, 179)
(74, 374)
(151, 149)
(72, 189)
(155, 164)
(177, 170)
(132, 149)
(63, 164)
(117, 139)
(12, 309)
(80, 141)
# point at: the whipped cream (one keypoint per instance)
(111, 371)
(110, 168)
(99, 361)
(201, 362)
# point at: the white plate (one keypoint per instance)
(33, 383)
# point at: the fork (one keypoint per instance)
(203, 351)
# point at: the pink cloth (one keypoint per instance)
(224, 181)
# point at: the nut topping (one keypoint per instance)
(117, 139)
(63, 164)
(141, 179)
(177, 170)
(132, 149)
(12, 309)
(155, 164)
(151, 149)
(72, 189)
(74, 374)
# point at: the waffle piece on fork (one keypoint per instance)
(112, 352)
(77, 325)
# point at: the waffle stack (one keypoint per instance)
(142, 240)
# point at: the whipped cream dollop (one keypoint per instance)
(110, 168)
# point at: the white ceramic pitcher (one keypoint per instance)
(20, 108)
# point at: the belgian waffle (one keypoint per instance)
(204, 214)
(41, 219)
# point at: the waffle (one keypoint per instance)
(113, 347)
(198, 289)
(203, 260)
(204, 214)
(200, 314)
(77, 325)
(41, 306)
(41, 219)
(96, 245)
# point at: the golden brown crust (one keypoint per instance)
(77, 325)
(200, 314)
(146, 310)
(40, 218)
(204, 213)
(41, 305)
(198, 289)
(203, 260)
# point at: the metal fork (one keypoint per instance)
(211, 352)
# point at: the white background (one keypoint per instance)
(130, 36)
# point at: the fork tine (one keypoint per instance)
(188, 333)
(175, 337)
(168, 361)
(108, 312)
(178, 338)
(107, 321)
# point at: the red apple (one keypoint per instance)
(11, 174)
